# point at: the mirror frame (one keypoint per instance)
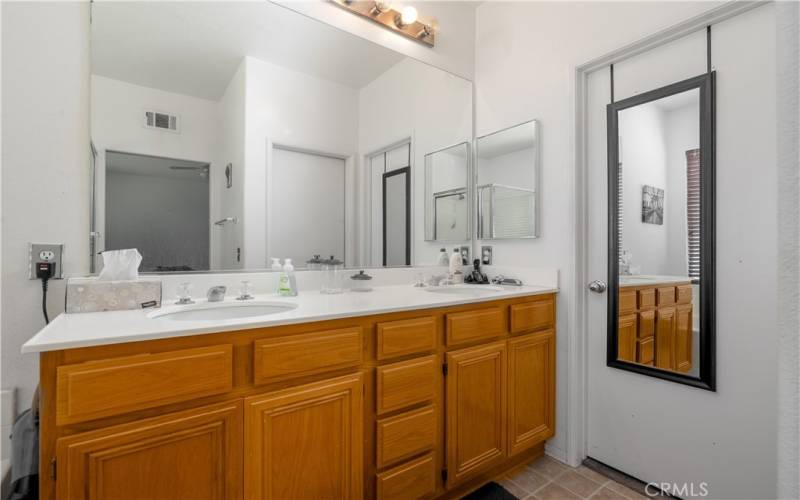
(707, 356)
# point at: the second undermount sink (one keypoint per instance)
(208, 311)
(465, 290)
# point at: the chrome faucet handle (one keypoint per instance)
(216, 293)
(502, 280)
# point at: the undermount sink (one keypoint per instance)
(465, 290)
(208, 311)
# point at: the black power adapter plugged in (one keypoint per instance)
(45, 271)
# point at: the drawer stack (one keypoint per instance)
(407, 415)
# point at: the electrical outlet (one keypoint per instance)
(486, 255)
(465, 256)
(45, 252)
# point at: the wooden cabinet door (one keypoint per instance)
(476, 410)
(305, 442)
(665, 337)
(531, 390)
(626, 338)
(683, 338)
(193, 454)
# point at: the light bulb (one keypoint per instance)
(408, 15)
(381, 6)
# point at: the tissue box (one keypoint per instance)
(91, 295)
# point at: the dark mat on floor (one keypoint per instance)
(490, 491)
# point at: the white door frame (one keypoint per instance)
(577, 339)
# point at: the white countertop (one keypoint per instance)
(69, 331)
(649, 280)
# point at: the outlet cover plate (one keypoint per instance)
(486, 255)
(41, 252)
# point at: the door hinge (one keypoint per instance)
(444, 368)
(444, 474)
(53, 468)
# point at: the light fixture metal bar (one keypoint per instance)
(416, 31)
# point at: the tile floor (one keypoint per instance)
(548, 479)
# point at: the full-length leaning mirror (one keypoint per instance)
(507, 183)
(259, 133)
(661, 232)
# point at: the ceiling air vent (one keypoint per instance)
(162, 121)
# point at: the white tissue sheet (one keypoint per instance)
(119, 265)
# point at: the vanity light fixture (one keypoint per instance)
(403, 20)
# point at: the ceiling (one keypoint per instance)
(127, 163)
(194, 48)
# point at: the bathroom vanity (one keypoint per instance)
(655, 322)
(430, 399)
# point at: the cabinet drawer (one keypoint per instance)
(406, 435)
(647, 298)
(644, 350)
(534, 315)
(307, 354)
(416, 479)
(666, 296)
(406, 383)
(410, 336)
(647, 324)
(99, 389)
(627, 301)
(684, 294)
(474, 325)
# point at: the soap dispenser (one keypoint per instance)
(287, 284)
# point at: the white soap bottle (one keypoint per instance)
(276, 266)
(455, 261)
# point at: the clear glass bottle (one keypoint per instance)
(360, 282)
(332, 281)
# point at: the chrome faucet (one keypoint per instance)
(502, 280)
(216, 293)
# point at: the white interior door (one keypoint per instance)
(307, 206)
(661, 431)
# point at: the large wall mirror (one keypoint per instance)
(507, 183)
(228, 133)
(661, 232)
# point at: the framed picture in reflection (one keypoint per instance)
(652, 205)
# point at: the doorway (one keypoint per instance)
(160, 206)
(390, 206)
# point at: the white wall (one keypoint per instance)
(288, 108)
(434, 109)
(116, 124)
(681, 126)
(229, 202)
(45, 165)
(455, 40)
(166, 218)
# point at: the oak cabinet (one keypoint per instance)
(626, 338)
(531, 390)
(305, 442)
(683, 338)
(475, 409)
(402, 405)
(193, 454)
(665, 337)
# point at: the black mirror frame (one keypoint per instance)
(706, 84)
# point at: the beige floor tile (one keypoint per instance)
(529, 480)
(514, 488)
(547, 467)
(554, 491)
(625, 491)
(594, 476)
(606, 493)
(577, 483)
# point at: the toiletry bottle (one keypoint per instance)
(444, 259)
(284, 284)
(276, 266)
(288, 270)
(455, 261)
